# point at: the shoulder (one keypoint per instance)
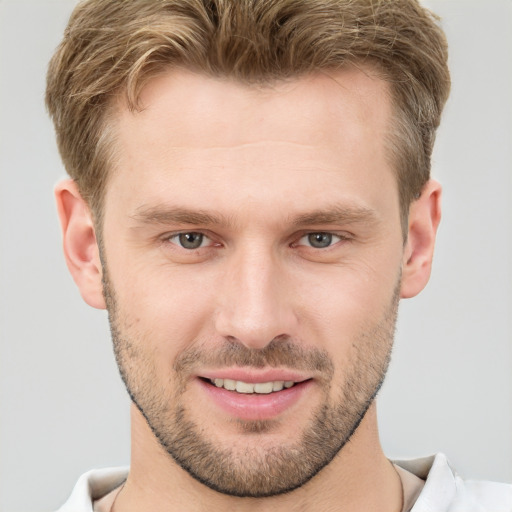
(492, 496)
(446, 491)
(92, 486)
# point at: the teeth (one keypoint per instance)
(264, 388)
(245, 387)
(229, 384)
(278, 385)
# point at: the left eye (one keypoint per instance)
(319, 240)
(191, 240)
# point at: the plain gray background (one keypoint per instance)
(63, 409)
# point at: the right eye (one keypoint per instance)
(190, 240)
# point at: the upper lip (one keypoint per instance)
(254, 376)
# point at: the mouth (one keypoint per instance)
(260, 388)
(250, 396)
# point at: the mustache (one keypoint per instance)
(280, 352)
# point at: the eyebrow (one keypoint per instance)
(178, 215)
(337, 215)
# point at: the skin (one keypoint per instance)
(261, 161)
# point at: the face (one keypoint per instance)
(252, 253)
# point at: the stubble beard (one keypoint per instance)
(254, 471)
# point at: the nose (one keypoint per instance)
(256, 300)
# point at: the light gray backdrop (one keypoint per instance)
(63, 409)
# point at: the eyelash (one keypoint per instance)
(328, 234)
(204, 237)
(169, 238)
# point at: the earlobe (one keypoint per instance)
(79, 243)
(424, 218)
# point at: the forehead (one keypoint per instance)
(306, 134)
(192, 104)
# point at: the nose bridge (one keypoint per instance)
(255, 308)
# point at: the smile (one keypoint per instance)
(264, 397)
(263, 388)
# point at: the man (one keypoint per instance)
(250, 198)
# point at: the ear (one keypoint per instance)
(424, 218)
(79, 243)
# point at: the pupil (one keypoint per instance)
(320, 240)
(191, 240)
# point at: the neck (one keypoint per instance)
(360, 478)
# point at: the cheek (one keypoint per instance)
(161, 307)
(352, 291)
(346, 305)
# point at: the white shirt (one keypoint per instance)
(444, 490)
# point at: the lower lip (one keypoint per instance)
(255, 406)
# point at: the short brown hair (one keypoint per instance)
(113, 47)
